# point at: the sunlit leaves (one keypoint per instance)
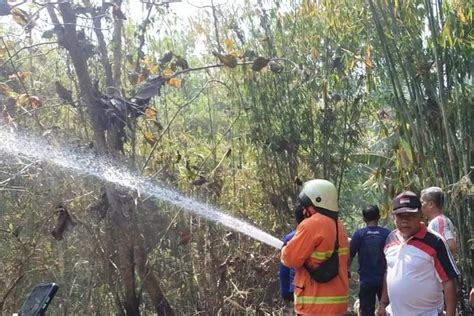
(150, 113)
(151, 65)
(368, 58)
(172, 81)
(168, 72)
(446, 35)
(149, 137)
(461, 16)
(229, 44)
(309, 9)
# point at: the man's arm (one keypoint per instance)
(383, 299)
(448, 272)
(354, 246)
(300, 247)
(452, 246)
(450, 297)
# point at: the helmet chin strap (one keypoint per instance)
(309, 211)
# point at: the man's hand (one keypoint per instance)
(384, 301)
(380, 311)
(450, 297)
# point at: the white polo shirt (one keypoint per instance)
(443, 226)
(416, 269)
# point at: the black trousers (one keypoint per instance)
(367, 296)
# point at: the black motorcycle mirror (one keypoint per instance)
(37, 302)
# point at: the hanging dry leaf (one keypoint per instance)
(133, 77)
(63, 93)
(150, 88)
(6, 90)
(149, 137)
(22, 99)
(21, 75)
(175, 82)
(26, 100)
(228, 60)
(150, 113)
(35, 102)
(21, 17)
(314, 54)
(259, 63)
(275, 66)
(166, 58)
(64, 223)
(181, 62)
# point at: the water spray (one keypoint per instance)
(14, 144)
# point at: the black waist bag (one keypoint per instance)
(328, 269)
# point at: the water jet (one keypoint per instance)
(14, 144)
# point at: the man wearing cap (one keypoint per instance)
(432, 200)
(419, 266)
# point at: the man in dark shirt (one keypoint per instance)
(287, 276)
(368, 244)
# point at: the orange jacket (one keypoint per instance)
(313, 243)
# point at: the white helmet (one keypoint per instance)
(320, 194)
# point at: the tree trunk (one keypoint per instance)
(121, 232)
(150, 282)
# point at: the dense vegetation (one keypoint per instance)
(234, 106)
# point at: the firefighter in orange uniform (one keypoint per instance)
(318, 252)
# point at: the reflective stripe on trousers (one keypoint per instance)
(321, 299)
